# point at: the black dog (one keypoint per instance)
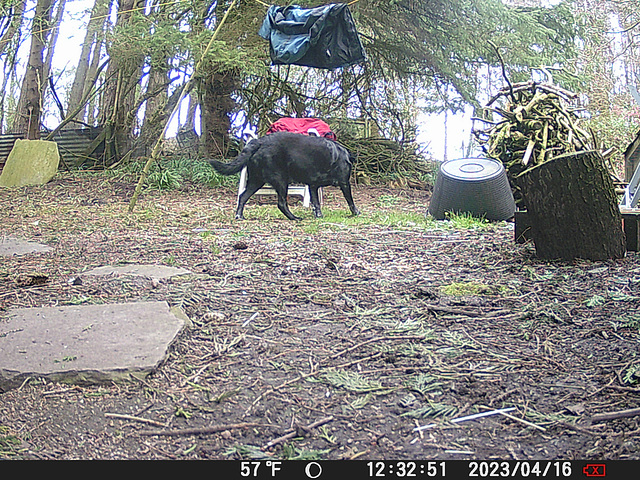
(282, 158)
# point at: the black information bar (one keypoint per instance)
(358, 469)
(424, 469)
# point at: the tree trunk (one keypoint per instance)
(80, 83)
(190, 122)
(10, 32)
(216, 106)
(55, 32)
(11, 26)
(572, 209)
(155, 114)
(117, 112)
(156, 94)
(29, 108)
(93, 105)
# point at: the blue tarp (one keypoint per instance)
(322, 37)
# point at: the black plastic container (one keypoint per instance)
(478, 186)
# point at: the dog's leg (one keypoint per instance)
(346, 191)
(282, 190)
(315, 201)
(251, 188)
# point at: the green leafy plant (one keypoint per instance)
(164, 180)
(351, 381)
(632, 374)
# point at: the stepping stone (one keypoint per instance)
(14, 246)
(152, 271)
(86, 344)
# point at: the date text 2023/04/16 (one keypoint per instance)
(329, 469)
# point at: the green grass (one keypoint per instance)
(171, 173)
(461, 289)
(466, 221)
(339, 219)
(9, 444)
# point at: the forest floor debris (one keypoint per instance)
(330, 338)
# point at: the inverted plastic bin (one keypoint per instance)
(478, 186)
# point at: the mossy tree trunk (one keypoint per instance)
(572, 209)
(216, 106)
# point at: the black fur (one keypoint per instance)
(282, 158)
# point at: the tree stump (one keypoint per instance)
(572, 208)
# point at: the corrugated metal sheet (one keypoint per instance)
(73, 145)
(6, 144)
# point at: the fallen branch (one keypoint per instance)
(603, 417)
(134, 419)
(577, 428)
(295, 432)
(455, 311)
(202, 431)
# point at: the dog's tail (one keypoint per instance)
(239, 162)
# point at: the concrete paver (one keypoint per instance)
(10, 246)
(86, 343)
(152, 271)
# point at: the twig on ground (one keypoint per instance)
(294, 432)
(603, 417)
(468, 417)
(455, 311)
(134, 419)
(521, 420)
(202, 431)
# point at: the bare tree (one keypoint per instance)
(29, 111)
(118, 109)
(89, 56)
(10, 34)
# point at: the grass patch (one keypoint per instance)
(9, 444)
(466, 221)
(171, 173)
(339, 219)
(463, 289)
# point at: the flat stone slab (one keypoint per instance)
(152, 271)
(87, 343)
(14, 246)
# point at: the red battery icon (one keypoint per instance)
(594, 470)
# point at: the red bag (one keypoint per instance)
(302, 125)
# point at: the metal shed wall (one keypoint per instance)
(72, 146)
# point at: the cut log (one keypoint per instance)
(572, 208)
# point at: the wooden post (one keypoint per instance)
(572, 208)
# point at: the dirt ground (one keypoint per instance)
(325, 339)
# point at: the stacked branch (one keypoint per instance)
(381, 160)
(557, 171)
(535, 125)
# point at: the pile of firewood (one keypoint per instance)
(535, 124)
(550, 159)
(380, 160)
